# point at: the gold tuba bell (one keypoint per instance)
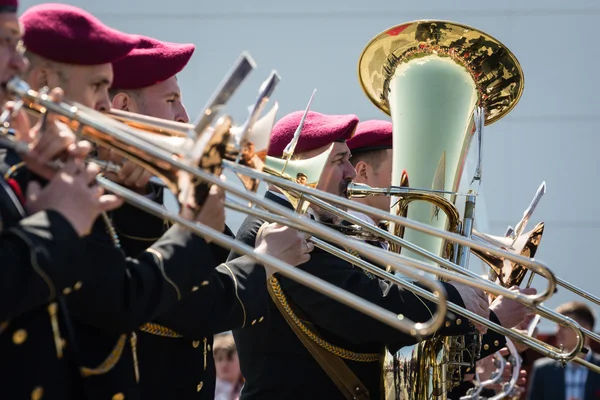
(440, 82)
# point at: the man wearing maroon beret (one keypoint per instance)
(117, 294)
(145, 81)
(274, 361)
(371, 148)
(174, 350)
(372, 158)
(71, 49)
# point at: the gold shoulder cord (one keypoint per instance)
(338, 351)
(159, 330)
(109, 362)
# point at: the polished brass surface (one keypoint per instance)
(494, 68)
(173, 163)
(328, 202)
(151, 124)
(155, 153)
(509, 273)
(434, 78)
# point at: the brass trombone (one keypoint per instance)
(175, 167)
(528, 241)
(325, 200)
(138, 146)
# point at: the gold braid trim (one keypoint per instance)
(338, 351)
(10, 172)
(159, 330)
(109, 362)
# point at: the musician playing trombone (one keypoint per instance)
(174, 350)
(371, 148)
(83, 345)
(40, 240)
(306, 323)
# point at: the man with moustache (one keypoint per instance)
(303, 322)
(175, 350)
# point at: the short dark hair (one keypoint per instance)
(372, 157)
(578, 310)
(136, 94)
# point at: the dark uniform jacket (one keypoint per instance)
(276, 365)
(96, 318)
(40, 256)
(175, 349)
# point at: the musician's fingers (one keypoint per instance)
(91, 171)
(81, 149)
(109, 202)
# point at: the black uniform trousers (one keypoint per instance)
(276, 364)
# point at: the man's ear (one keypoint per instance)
(361, 168)
(122, 102)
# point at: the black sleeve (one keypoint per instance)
(235, 296)
(136, 228)
(125, 293)
(351, 324)
(41, 256)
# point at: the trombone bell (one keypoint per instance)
(305, 172)
(510, 273)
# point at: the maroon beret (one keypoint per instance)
(9, 6)
(151, 62)
(319, 130)
(371, 135)
(70, 35)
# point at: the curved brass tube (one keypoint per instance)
(131, 144)
(102, 130)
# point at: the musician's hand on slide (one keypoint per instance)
(212, 213)
(284, 243)
(71, 192)
(511, 313)
(130, 174)
(50, 139)
(476, 301)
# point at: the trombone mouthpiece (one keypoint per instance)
(17, 86)
(361, 190)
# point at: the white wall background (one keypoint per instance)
(552, 134)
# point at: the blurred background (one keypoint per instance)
(551, 135)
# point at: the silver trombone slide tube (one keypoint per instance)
(326, 201)
(436, 288)
(139, 150)
(310, 194)
(304, 278)
(535, 344)
(469, 275)
(478, 281)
